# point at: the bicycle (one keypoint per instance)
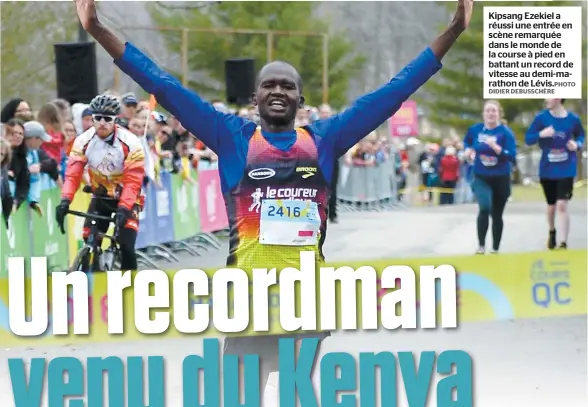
(91, 257)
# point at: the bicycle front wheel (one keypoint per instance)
(82, 261)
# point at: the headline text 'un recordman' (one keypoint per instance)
(236, 298)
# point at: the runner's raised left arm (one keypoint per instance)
(373, 109)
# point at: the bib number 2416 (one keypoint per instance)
(289, 222)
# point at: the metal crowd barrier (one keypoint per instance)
(186, 229)
(379, 188)
(368, 188)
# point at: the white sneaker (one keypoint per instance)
(271, 394)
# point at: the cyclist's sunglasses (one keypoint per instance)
(99, 117)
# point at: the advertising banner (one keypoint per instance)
(213, 214)
(147, 228)
(162, 199)
(405, 122)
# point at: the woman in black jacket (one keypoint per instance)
(16, 109)
(18, 171)
(5, 195)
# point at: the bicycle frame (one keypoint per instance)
(95, 237)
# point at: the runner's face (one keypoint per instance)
(551, 103)
(278, 95)
(491, 113)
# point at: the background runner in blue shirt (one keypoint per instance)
(560, 135)
(278, 96)
(492, 146)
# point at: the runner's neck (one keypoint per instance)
(491, 126)
(559, 112)
(273, 128)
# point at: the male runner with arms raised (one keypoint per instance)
(290, 167)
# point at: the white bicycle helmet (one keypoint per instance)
(105, 104)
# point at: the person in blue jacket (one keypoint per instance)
(559, 134)
(259, 165)
(491, 145)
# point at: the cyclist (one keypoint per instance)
(292, 166)
(116, 166)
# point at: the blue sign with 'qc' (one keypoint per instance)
(550, 283)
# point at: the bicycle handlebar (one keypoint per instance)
(113, 237)
(90, 215)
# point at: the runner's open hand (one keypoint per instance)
(87, 13)
(463, 14)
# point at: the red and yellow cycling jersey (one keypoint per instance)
(116, 163)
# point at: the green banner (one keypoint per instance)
(47, 238)
(15, 241)
(185, 207)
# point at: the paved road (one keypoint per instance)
(517, 363)
(418, 232)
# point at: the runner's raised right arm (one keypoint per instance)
(196, 115)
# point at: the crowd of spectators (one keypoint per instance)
(438, 165)
(443, 166)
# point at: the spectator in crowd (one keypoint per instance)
(50, 117)
(129, 104)
(81, 117)
(137, 127)
(167, 144)
(142, 105)
(448, 174)
(87, 120)
(38, 162)
(157, 122)
(302, 117)
(364, 153)
(18, 172)
(64, 109)
(492, 147)
(5, 195)
(244, 113)
(69, 134)
(16, 108)
(202, 152)
(428, 170)
(185, 155)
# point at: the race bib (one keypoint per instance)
(289, 222)
(557, 156)
(488, 160)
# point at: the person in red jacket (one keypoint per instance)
(49, 116)
(449, 174)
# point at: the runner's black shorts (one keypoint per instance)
(557, 189)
